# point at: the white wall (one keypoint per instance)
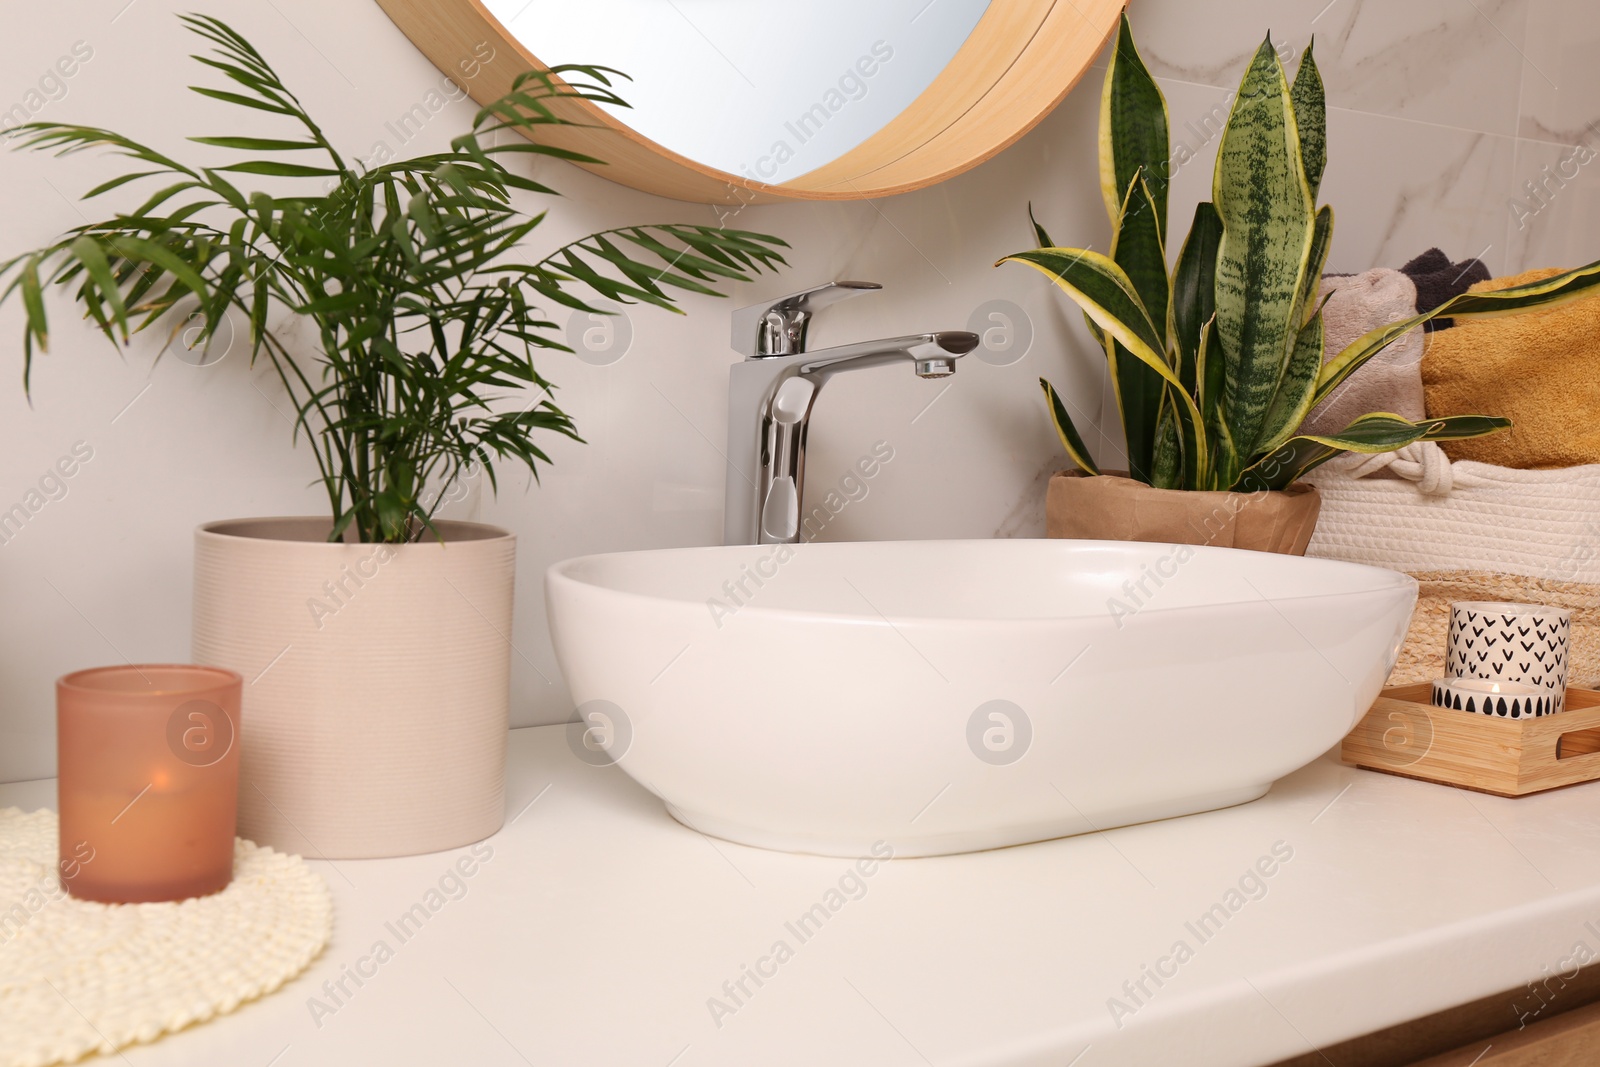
(1442, 110)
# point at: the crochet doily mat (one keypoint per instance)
(78, 977)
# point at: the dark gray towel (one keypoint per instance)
(1437, 280)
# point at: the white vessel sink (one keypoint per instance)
(941, 697)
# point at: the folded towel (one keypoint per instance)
(1541, 370)
(1390, 381)
(1437, 280)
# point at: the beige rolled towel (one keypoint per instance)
(1392, 380)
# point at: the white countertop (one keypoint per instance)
(599, 929)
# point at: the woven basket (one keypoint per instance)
(1422, 657)
(1469, 531)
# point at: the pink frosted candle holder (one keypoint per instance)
(148, 760)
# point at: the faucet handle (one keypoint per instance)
(778, 328)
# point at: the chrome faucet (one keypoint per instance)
(771, 393)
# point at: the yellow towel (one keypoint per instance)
(1541, 370)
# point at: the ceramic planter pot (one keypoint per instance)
(377, 678)
(1111, 507)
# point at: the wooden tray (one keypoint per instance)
(1405, 734)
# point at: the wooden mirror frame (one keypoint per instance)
(1021, 59)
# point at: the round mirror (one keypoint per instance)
(746, 101)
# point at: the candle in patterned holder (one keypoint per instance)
(1525, 643)
(149, 780)
(1503, 700)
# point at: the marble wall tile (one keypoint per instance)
(1450, 62)
(1553, 206)
(1552, 215)
(1561, 79)
(1400, 187)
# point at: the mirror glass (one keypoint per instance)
(765, 89)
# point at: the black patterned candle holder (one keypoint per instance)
(1504, 700)
(1526, 643)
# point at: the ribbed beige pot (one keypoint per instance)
(377, 682)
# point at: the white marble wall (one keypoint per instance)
(1442, 109)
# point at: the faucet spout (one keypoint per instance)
(919, 348)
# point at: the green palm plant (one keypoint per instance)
(1216, 363)
(426, 318)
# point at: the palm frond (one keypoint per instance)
(426, 311)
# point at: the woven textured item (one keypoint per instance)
(1422, 657)
(1468, 531)
(1416, 511)
(80, 977)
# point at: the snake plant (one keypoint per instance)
(1216, 364)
